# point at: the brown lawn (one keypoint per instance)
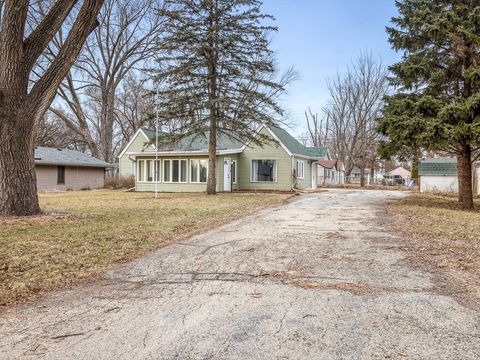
(444, 237)
(85, 233)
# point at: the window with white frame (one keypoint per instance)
(141, 170)
(157, 167)
(300, 168)
(145, 170)
(175, 171)
(264, 170)
(149, 170)
(234, 171)
(198, 170)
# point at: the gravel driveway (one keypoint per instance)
(318, 278)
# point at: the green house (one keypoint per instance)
(280, 164)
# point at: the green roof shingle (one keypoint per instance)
(197, 143)
(225, 142)
(438, 167)
(295, 147)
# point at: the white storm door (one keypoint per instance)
(227, 174)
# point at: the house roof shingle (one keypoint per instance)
(225, 142)
(197, 143)
(66, 157)
(438, 166)
(295, 147)
(328, 164)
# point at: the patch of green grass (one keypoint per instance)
(106, 227)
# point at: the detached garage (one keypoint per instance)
(438, 174)
(63, 169)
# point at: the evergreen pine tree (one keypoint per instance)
(216, 71)
(438, 106)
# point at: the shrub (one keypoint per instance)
(119, 182)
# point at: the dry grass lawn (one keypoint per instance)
(442, 236)
(84, 233)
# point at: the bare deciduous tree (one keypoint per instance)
(88, 99)
(317, 128)
(22, 102)
(356, 100)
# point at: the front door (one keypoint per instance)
(227, 174)
(314, 176)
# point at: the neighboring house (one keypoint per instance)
(279, 165)
(331, 172)
(401, 171)
(63, 169)
(355, 176)
(438, 174)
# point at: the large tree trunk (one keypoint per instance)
(18, 185)
(20, 110)
(213, 103)
(465, 183)
(212, 158)
(362, 175)
(415, 163)
(106, 125)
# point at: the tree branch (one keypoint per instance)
(44, 90)
(39, 39)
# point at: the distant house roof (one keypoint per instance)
(356, 170)
(400, 170)
(438, 167)
(327, 164)
(66, 157)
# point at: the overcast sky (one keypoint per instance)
(321, 37)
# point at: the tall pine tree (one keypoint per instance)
(439, 81)
(216, 71)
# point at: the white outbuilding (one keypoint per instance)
(438, 174)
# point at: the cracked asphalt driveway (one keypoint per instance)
(318, 278)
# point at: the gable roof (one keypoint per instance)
(438, 166)
(295, 147)
(66, 157)
(229, 143)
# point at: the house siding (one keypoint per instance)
(76, 178)
(124, 162)
(268, 151)
(438, 183)
(306, 182)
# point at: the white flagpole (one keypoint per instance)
(156, 167)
